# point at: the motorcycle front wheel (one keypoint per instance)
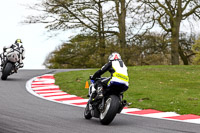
(6, 71)
(110, 110)
(87, 112)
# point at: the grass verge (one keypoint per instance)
(164, 88)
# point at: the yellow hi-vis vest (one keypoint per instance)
(121, 73)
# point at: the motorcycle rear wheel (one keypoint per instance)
(6, 71)
(110, 110)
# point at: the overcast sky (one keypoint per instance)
(35, 37)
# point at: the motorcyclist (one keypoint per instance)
(18, 47)
(118, 71)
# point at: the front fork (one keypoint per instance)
(102, 104)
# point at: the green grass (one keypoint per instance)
(164, 88)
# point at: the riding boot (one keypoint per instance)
(16, 69)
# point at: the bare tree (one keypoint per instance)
(86, 15)
(169, 14)
(105, 18)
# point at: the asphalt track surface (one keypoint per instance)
(21, 112)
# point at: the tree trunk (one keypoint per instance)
(183, 57)
(101, 35)
(174, 48)
(121, 12)
(175, 26)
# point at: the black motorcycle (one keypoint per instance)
(107, 107)
(9, 62)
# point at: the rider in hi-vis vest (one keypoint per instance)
(120, 75)
(118, 71)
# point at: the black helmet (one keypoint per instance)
(18, 41)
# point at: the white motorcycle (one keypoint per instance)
(10, 62)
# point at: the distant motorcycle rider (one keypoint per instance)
(118, 71)
(18, 47)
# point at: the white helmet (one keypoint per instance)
(114, 56)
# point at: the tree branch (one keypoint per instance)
(191, 11)
(165, 8)
(75, 16)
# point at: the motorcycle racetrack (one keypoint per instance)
(22, 112)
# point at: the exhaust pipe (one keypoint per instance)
(122, 105)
